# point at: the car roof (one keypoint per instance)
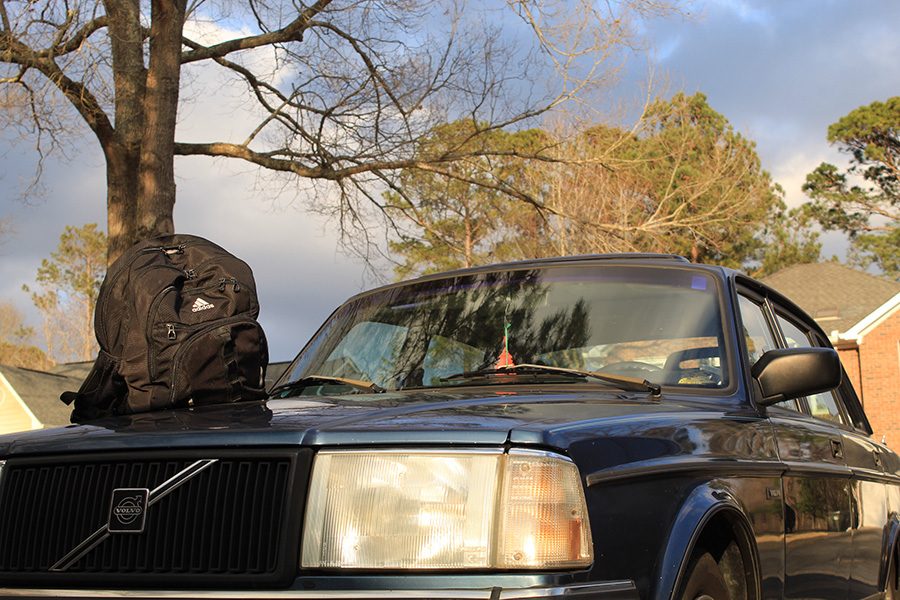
(586, 259)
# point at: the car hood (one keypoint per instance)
(542, 417)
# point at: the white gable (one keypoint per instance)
(871, 321)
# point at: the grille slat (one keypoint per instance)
(230, 519)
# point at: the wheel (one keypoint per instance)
(704, 580)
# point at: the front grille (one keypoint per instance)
(238, 519)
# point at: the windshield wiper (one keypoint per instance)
(303, 382)
(632, 384)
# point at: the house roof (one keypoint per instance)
(78, 370)
(274, 371)
(838, 297)
(40, 391)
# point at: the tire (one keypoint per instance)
(703, 580)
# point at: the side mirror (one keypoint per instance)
(789, 373)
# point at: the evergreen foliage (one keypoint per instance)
(683, 182)
(70, 281)
(863, 200)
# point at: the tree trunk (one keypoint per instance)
(696, 253)
(121, 192)
(123, 150)
(140, 172)
(156, 199)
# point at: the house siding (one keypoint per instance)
(14, 415)
(879, 359)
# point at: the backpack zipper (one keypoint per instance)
(111, 276)
(173, 329)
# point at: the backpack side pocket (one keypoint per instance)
(101, 394)
(223, 363)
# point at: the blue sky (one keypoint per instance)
(780, 71)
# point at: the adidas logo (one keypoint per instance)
(201, 304)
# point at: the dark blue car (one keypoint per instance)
(589, 428)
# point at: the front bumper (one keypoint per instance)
(608, 590)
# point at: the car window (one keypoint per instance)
(823, 405)
(660, 325)
(366, 352)
(445, 357)
(757, 334)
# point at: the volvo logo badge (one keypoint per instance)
(128, 510)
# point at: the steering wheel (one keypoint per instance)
(630, 368)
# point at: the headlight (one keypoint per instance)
(445, 509)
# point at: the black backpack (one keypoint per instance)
(176, 323)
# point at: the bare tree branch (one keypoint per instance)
(343, 92)
(291, 32)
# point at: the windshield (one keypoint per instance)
(662, 325)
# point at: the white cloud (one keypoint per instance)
(791, 174)
(748, 12)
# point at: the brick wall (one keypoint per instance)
(879, 379)
(850, 360)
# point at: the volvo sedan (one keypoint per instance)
(617, 427)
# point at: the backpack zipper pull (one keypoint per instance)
(170, 331)
(226, 280)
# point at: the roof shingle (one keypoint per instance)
(836, 295)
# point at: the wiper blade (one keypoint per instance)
(366, 386)
(632, 384)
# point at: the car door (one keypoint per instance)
(869, 503)
(869, 510)
(816, 482)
